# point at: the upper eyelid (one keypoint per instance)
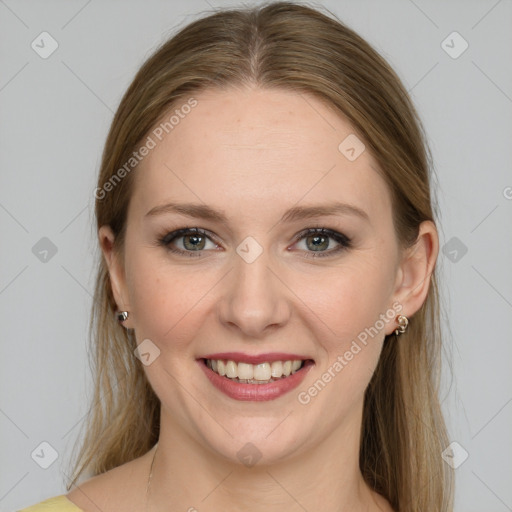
(181, 232)
(333, 233)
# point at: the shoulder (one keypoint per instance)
(55, 504)
(117, 490)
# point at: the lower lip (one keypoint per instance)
(256, 392)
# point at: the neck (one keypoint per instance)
(186, 476)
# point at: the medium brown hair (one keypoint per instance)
(297, 48)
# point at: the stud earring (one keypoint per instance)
(403, 322)
(122, 316)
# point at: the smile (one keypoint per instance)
(247, 373)
(258, 381)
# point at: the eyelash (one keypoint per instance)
(344, 241)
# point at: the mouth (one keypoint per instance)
(267, 377)
(261, 373)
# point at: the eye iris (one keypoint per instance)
(195, 240)
(319, 242)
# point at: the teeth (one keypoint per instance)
(296, 365)
(261, 373)
(245, 371)
(276, 369)
(231, 370)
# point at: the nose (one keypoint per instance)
(254, 300)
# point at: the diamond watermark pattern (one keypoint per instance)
(44, 250)
(454, 249)
(454, 455)
(44, 45)
(249, 250)
(44, 455)
(248, 455)
(146, 352)
(351, 147)
(454, 45)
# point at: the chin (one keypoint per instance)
(252, 449)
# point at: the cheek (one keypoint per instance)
(349, 301)
(165, 303)
(349, 337)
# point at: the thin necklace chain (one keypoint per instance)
(150, 475)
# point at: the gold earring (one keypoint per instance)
(403, 322)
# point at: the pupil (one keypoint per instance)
(319, 242)
(194, 240)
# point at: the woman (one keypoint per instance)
(266, 320)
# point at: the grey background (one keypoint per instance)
(55, 113)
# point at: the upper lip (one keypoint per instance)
(269, 357)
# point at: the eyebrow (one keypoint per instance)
(202, 211)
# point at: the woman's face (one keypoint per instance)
(253, 282)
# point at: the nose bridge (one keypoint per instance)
(254, 298)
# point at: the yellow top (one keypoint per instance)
(56, 504)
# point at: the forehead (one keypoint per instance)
(259, 150)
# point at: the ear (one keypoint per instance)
(116, 271)
(416, 267)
